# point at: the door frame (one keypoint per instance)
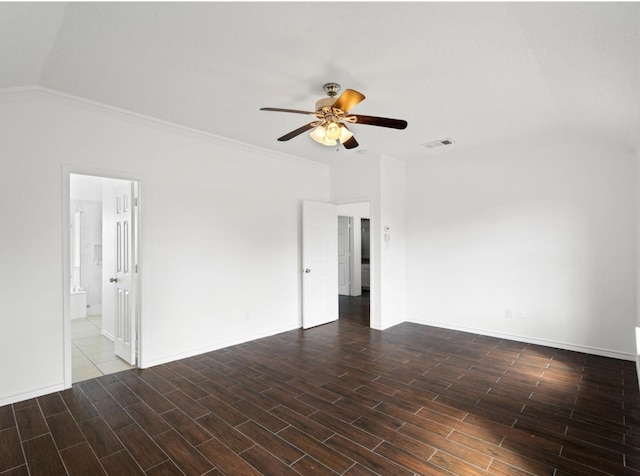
(67, 170)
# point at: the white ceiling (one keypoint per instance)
(478, 73)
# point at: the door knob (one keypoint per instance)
(113, 280)
(307, 270)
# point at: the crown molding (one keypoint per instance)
(22, 93)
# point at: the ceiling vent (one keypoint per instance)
(438, 143)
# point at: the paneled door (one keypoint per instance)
(319, 263)
(123, 278)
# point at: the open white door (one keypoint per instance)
(344, 255)
(122, 282)
(319, 263)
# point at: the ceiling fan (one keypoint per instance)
(332, 114)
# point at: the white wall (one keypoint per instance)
(85, 187)
(534, 241)
(220, 228)
(393, 247)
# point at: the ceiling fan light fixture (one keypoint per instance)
(345, 134)
(329, 133)
(319, 134)
(333, 131)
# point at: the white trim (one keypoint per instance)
(39, 92)
(107, 335)
(530, 340)
(67, 375)
(32, 394)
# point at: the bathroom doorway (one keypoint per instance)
(103, 279)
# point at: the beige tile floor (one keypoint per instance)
(92, 353)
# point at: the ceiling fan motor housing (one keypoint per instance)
(324, 102)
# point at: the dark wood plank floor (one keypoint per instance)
(341, 399)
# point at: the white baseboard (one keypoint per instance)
(33, 394)
(108, 336)
(529, 340)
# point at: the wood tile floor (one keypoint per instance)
(340, 399)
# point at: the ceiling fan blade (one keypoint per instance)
(277, 109)
(348, 99)
(351, 143)
(377, 121)
(299, 131)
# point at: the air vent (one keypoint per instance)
(438, 143)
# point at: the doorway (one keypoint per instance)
(102, 296)
(354, 296)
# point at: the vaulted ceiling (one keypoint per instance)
(477, 73)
